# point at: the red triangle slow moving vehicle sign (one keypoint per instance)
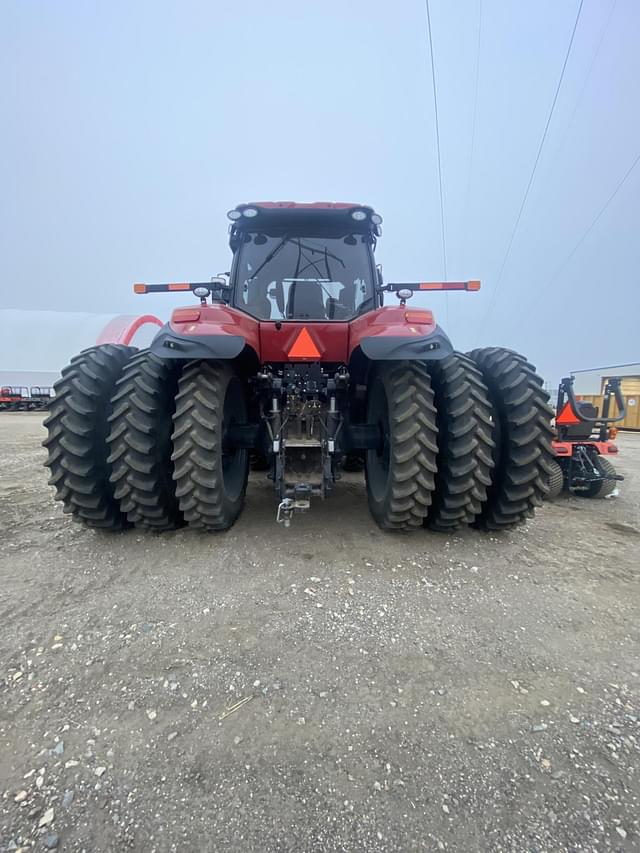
(303, 346)
(566, 416)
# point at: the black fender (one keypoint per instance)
(169, 344)
(431, 347)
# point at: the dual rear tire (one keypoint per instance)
(140, 442)
(522, 433)
(210, 476)
(132, 440)
(465, 440)
(77, 425)
(135, 440)
(400, 472)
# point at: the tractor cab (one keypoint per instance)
(303, 262)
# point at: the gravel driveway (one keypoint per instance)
(327, 687)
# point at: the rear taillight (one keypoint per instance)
(185, 315)
(417, 316)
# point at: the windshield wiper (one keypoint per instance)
(324, 251)
(301, 246)
(270, 256)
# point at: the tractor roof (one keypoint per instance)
(259, 214)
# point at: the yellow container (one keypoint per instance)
(632, 405)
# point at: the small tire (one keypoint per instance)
(603, 487)
(556, 481)
(140, 446)
(522, 435)
(465, 445)
(77, 427)
(400, 475)
(210, 480)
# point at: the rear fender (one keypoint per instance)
(207, 332)
(129, 330)
(399, 333)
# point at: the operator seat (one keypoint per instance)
(306, 301)
(582, 431)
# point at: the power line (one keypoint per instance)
(588, 75)
(584, 236)
(496, 289)
(473, 137)
(435, 107)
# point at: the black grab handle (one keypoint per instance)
(613, 385)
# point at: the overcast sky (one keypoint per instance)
(130, 128)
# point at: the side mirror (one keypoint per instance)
(220, 288)
(220, 282)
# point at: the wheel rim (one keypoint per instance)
(234, 460)
(378, 460)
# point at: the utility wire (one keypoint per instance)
(473, 138)
(496, 289)
(552, 280)
(435, 107)
(588, 75)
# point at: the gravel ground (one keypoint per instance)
(326, 687)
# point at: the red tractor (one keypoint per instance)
(292, 361)
(584, 443)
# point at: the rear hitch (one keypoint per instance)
(287, 507)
